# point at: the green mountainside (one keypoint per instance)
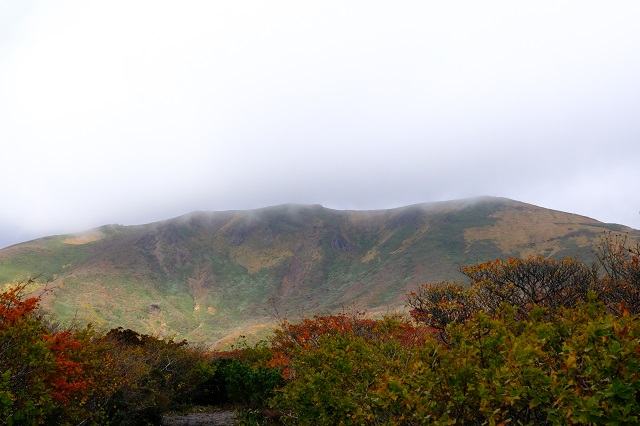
(211, 276)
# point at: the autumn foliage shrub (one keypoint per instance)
(159, 375)
(533, 341)
(578, 365)
(82, 376)
(293, 338)
(40, 372)
(306, 335)
(440, 304)
(527, 341)
(620, 287)
(523, 283)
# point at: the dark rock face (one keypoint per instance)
(341, 244)
(239, 233)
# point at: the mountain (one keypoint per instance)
(207, 276)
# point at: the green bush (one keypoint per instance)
(575, 366)
(248, 384)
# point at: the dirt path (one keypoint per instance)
(217, 418)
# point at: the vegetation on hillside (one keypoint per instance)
(207, 276)
(525, 341)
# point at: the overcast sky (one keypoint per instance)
(136, 111)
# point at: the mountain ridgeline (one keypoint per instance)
(211, 276)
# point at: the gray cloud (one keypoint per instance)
(125, 112)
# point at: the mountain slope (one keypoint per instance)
(208, 275)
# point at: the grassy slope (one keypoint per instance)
(207, 276)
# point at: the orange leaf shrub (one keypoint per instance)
(37, 375)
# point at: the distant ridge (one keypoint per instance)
(207, 276)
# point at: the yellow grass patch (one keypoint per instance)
(256, 260)
(83, 239)
(371, 254)
(534, 226)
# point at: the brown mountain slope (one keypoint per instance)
(208, 275)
